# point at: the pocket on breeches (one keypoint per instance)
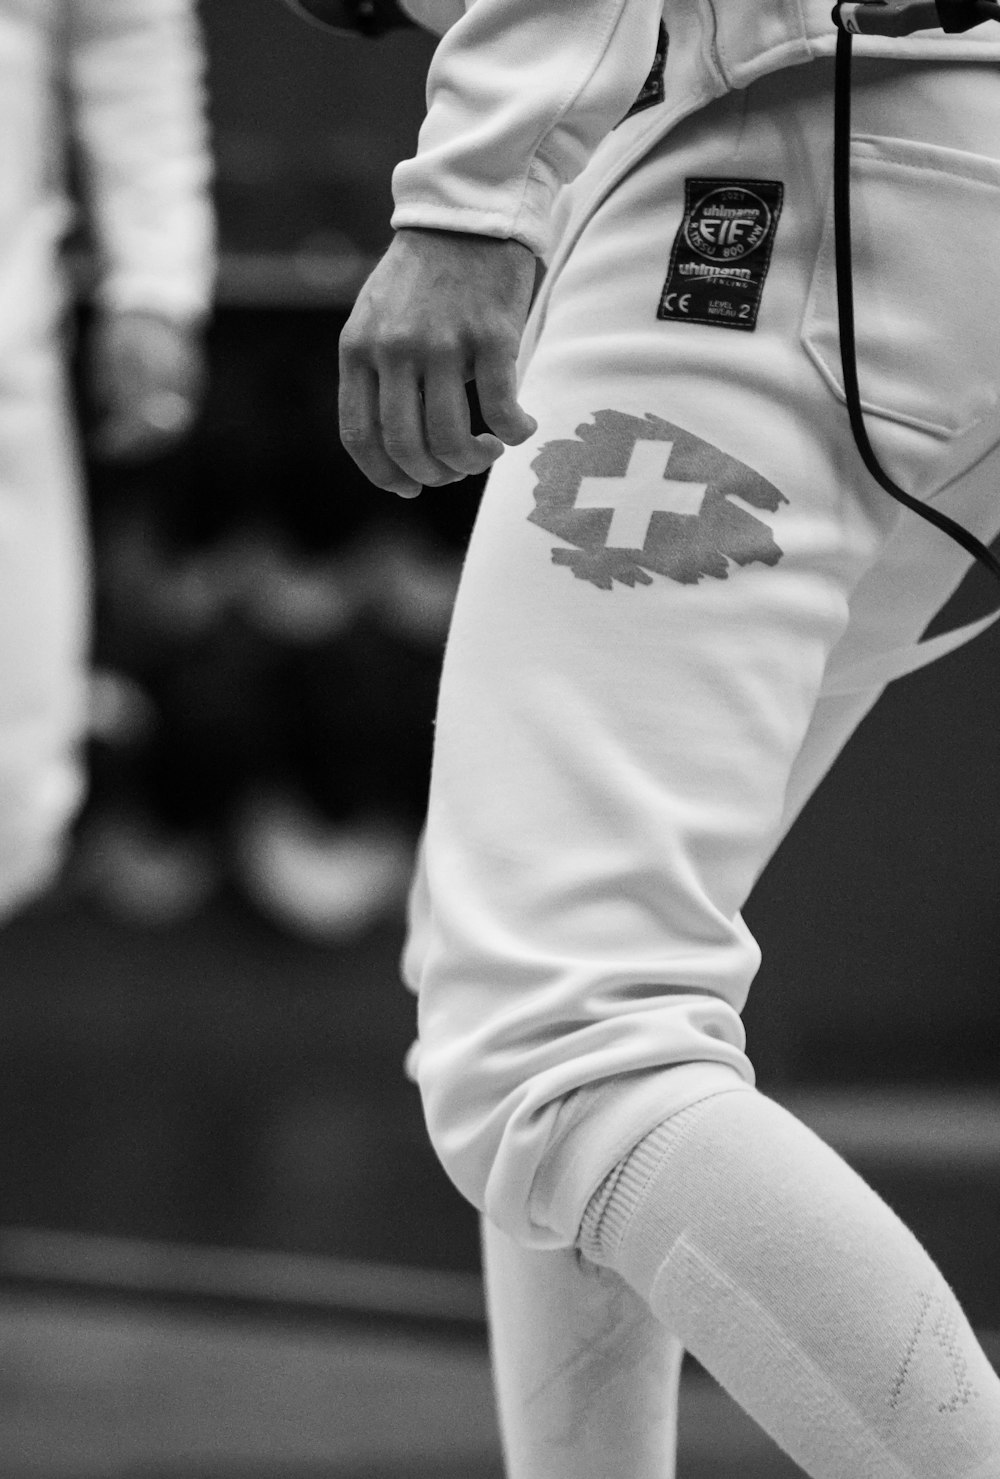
(925, 226)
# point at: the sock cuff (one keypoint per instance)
(614, 1204)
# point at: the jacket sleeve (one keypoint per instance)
(519, 95)
(135, 80)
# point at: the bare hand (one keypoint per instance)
(441, 310)
(146, 377)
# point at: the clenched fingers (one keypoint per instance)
(360, 432)
(448, 426)
(404, 436)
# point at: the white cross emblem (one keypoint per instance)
(643, 491)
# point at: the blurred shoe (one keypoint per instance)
(119, 710)
(325, 882)
(298, 599)
(407, 581)
(149, 589)
(142, 872)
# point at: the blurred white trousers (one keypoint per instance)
(680, 599)
(44, 620)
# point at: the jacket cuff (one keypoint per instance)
(420, 190)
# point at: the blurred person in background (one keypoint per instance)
(116, 85)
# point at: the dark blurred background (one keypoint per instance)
(202, 1028)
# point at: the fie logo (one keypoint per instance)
(727, 224)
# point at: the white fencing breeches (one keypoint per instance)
(681, 597)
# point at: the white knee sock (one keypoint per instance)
(586, 1379)
(802, 1293)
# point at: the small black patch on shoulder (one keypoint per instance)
(654, 87)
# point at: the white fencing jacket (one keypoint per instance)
(124, 77)
(521, 93)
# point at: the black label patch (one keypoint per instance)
(654, 87)
(722, 252)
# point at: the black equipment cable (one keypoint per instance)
(873, 17)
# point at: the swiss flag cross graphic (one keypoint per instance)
(643, 491)
(638, 496)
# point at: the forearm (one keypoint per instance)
(135, 76)
(520, 94)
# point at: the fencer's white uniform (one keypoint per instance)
(125, 77)
(681, 596)
(684, 591)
